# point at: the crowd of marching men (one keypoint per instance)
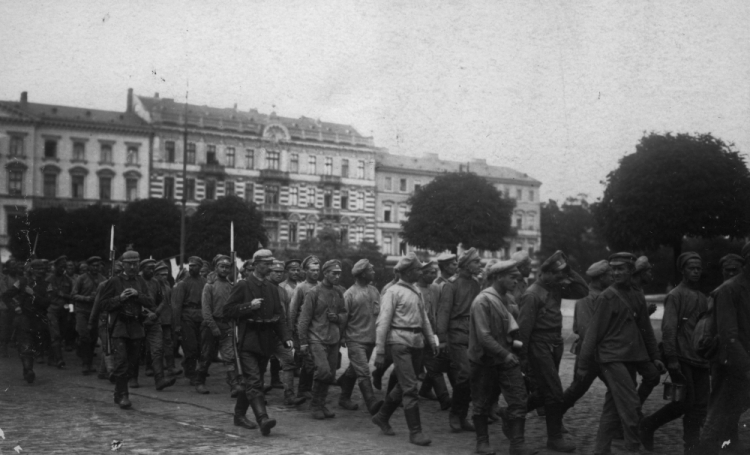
(487, 329)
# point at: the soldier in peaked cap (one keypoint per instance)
(402, 329)
(293, 271)
(84, 292)
(125, 296)
(453, 331)
(256, 305)
(620, 339)
(523, 261)
(643, 275)
(540, 322)
(60, 288)
(731, 265)
(311, 271)
(161, 272)
(187, 316)
(447, 266)
(276, 277)
(99, 319)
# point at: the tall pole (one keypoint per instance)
(184, 185)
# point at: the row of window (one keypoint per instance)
(530, 221)
(77, 188)
(311, 230)
(79, 150)
(401, 185)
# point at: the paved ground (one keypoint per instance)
(64, 412)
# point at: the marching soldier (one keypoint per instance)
(320, 336)
(362, 305)
(293, 276)
(84, 292)
(402, 329)
(61, 288)
(524, 268)
(99, 319)
(165, 319)
(153, 328)
(187, 317)
(124, 297)
(731, 265)
(311, 270)
(448, 266)
(643, 276)
(256, 305)
(540, 331)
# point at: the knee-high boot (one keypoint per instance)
(368, 394)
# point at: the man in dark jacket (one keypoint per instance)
(60, 288)
(256, 305)
(84, 292)
(187, 316)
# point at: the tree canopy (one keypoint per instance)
(675, 186)
(458, 208)
(152, 226)
(572, 229)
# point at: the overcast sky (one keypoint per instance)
(559, 91)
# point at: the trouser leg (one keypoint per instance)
(86, 341)
(54, 318)
(462, 387)
(154, 337)
(544, 360)
(579, 386)
(191, 340)
(167, 342)
(650, 377)
(622, 406)
(207, 342)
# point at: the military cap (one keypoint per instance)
(277, 266)
(62, 258)
(642, 264)
(521, 257)
(130, 256)
(38, 264)
(161, 266)
(146, 262)
(745, 250)
(731, 257)
(291, 262)
(195, 260)
(222, 258)
(247, 264)
(360, 267)
(502, 268)
(622, 258)
(93, 260)
(598, 268)
(309, 261)
(445, 257)
(332, 265)
(407, 262)
(467, 256)
(682, 260)
(428, 264)
(262, 256)
(555, 263)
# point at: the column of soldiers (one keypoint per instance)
(491, 331)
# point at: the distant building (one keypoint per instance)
(68, 156)
(304, 174)
(398, 177)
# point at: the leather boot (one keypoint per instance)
(377, 378)
(383, 416)
(555, 439)
(133, 383)
(124, 395)
(235, 385)
(316, 404)
(481, 423)
(162, 383)
(415, 427)
(372, 403)
(59, 357)
(323, 396)
(441, 391)
(109, 363)
(493, 416)
(425, 391)
(646, 431)
(517, 429)
(289, 399)
(119, 389)
(502, 412)
(346, 383)
(261, 415)
(200, 382)
(171, 369)
(240, 411)
(102, 371)
(276, 382)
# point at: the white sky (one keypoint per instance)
(559, 91)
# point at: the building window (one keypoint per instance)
(344, 202)
(169, 146)
(249, 159)
(190, 190)
(16, 146)
(15, 182)
(272, 160)
(230, 156)
(328, 169)
(211, 155)
(402, 248)
(50, 185)
(417, 187)
(387, 213)
(519, 222)
(50, 148)
(272, 194)
(359, 234)
(105, 153)
(310, 230)
(169, 188)
(311, 164)
(294, 163)
(311, 196)
(210, 189)
(105, 188)
(79, 151)
(402, 213)
(387, 245)
(507, 193)
(388, 184)
(531, 195)
(131, 189)
(531, 220)
(531, 251)
(190, 153)
(229, 188)
(327, 200)
(360, 169)
(132, 156)
(293, 232)
(249, 192)
(344, 233)
(519, 194)
(402, 185)
(293, 195)
(77, 186)
(345, 168)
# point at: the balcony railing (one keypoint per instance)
(331, 213)
(274, 210)
(213, 170)
(331, 180)
(275, 175)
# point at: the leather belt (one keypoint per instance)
(408, 329)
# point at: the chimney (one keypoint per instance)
(235, 107)
(129, 108)
(24, 98)
(156, 95)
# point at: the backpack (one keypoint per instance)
(705, 336)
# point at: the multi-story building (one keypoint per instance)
(398, 176)
(68, 156)
(304, 174)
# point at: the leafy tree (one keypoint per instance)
(572, 229)
(673, 187)
(209, 228)
(458, 208)
(152, 226)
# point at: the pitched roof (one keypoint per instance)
(53, 112)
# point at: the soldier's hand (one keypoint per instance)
(215, 331)
(660, 366)
(18, 310)
(126, 294)
(511, 360)
(651, 308)
(288, 344)
(255, 303)
(379, 361)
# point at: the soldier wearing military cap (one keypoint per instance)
(125, 296)
(311, 270)
(277, 277)
(620, 339)
(161, 273)
(99, 319)
(448, 266)
(61, 288)
(523, 260)
(731, 265)
(7, 278)
(84, 291)
(187, 316)
(540, 322)
(294, 275)
(29, 300)
(255, 303)
(453, 330)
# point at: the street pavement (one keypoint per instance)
(65, 412)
